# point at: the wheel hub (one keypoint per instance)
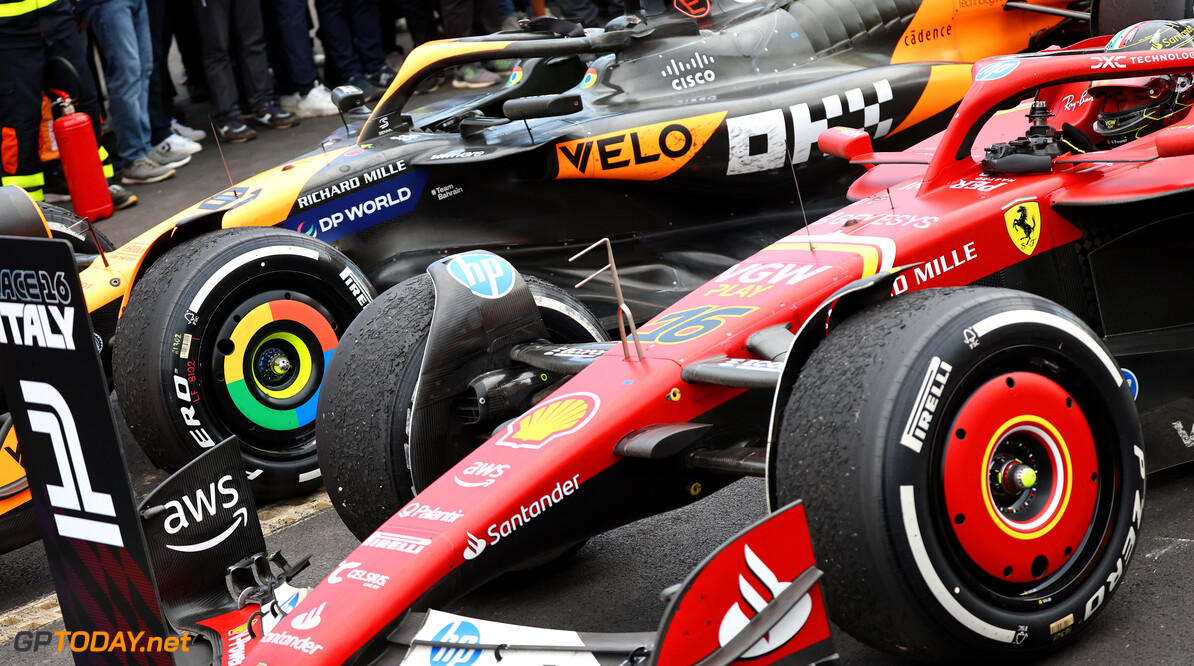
(1020, 477)
(273, 361)
(272, 367)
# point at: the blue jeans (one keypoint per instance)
(122, 32)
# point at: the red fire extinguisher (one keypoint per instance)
(80, 159)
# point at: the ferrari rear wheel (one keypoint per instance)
(370, 384)
(229, 334)
(972, 459)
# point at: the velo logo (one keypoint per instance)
(75, 493)
(460, 632)
(484, 273)
(735, 619)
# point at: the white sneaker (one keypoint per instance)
(315, 104)
(179, 145)
(186, 132)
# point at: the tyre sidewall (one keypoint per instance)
(932, 577)
(187, 384)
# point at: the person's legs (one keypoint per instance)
(249, 27)
(581, 11)
(487, 17)
(420, 20)
(291, 51)
(213, 18)
(185, 28)
(21, 72)
(116, 34)
(159, 102)
(335, 32)
(366, 34)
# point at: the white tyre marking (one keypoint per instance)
(921, 556)
(1048, 319)
(243, 259)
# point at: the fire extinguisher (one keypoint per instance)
(80, 157)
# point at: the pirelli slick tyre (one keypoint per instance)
(369, 388)
(230, 334)
(74, 229)
(972, 464)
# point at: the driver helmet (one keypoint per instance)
(1134, 107)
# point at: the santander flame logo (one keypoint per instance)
(474, 547)
(736, 619)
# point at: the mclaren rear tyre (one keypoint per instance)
(74, 230)
(370, 386)
(229, 335)
(972, 464)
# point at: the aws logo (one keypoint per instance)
(650, 152)
(220, 495)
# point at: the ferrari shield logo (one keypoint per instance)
(1023, 220)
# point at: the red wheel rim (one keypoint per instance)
(1020, 477)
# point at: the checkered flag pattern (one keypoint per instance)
(757, 141)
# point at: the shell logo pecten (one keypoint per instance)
(551, 419)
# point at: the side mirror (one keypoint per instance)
(1175, 141)
(845, 142)
(347, 98)
(541, 106)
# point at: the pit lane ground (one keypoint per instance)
(614, 582)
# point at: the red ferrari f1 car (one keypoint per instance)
(972, 455)
(952, 371)
(227, 318)
(601, 134)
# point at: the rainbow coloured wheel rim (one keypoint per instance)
(268, 359)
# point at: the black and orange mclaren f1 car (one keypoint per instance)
(674, 132)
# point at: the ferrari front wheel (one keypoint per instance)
(364, 413)
(229, 334)
(971, 460)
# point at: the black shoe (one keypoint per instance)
(372, 92)
(232, 129)
(383, 77)
(121, 198)
(271, 115)
(430, 84)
